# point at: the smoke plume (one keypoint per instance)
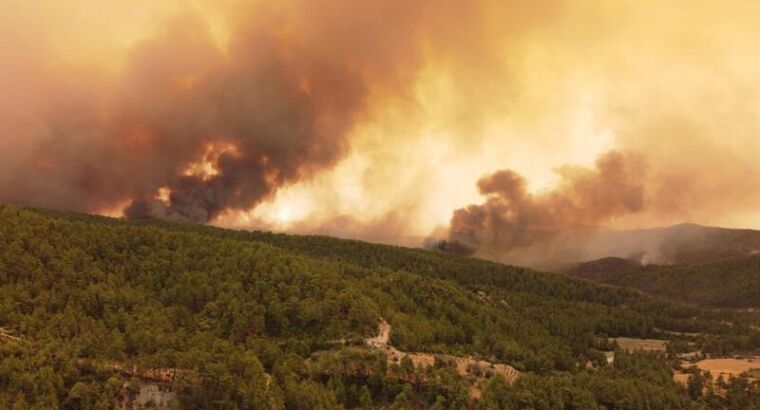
(512, 217)
(188, 129)
(373, 119)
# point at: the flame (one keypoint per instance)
(207, 167)
(164, 195)
(116, 210)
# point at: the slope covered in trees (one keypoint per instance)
(259, 320)
(733, 283)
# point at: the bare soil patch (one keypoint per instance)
(651, 345)
(680, 378)
(729, 366)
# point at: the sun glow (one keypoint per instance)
(283, 215)
(284, 211)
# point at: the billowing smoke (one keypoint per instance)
(373, 119)
(513, 218)
(188, 129)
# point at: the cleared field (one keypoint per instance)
(653, 345)
(730, 366)
(680, 378)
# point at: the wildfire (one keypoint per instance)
(207, 167)
(164, 195)
(116, 210)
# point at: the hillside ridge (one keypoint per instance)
(255, 316)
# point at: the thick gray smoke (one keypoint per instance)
(513, 219)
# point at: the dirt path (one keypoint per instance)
(479, 370)
(5, 335)
(383, 335)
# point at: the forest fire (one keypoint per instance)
(207, 166)
(513, 193)
(381, 129)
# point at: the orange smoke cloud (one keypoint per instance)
(374, 119)
(286, 90)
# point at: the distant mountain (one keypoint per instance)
(678, 244)
(685, 263)
(604, 269)
(690, 243)
(731, 283)
(674, 245)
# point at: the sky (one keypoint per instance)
(389, 121)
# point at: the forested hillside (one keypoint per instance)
(235, 320)
(731, 283)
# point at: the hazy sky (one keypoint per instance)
(376, 119)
